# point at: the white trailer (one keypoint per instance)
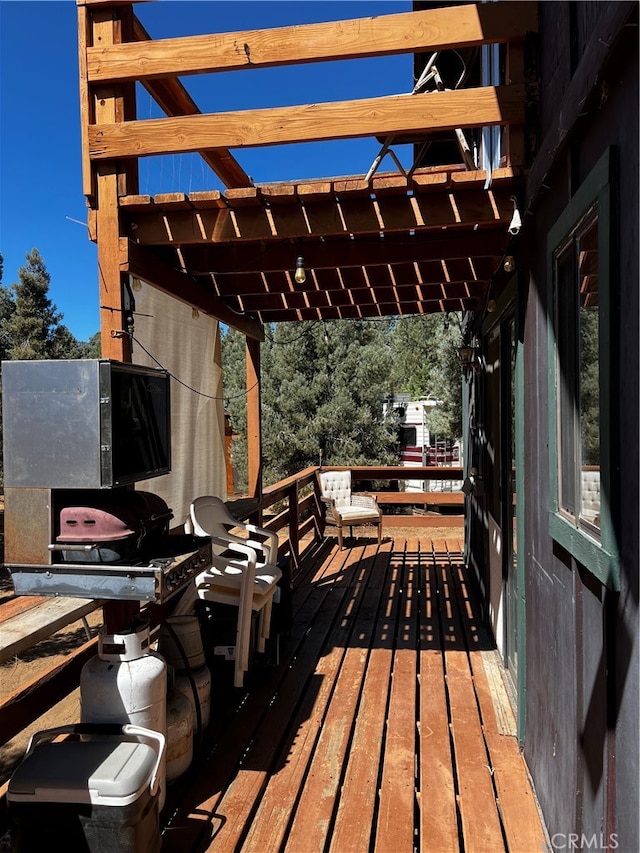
(419, 447)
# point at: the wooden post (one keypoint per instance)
(104, 185)
(108, 105)
(294, 522)
(254, 435)
(228, 444)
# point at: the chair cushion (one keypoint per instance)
(590, 493)
(352, 513)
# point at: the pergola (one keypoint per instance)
(373, 245)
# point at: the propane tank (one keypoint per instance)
(126, 683)
(202, 680)
(180, 726)
(180, 635)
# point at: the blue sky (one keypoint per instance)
(41, 201)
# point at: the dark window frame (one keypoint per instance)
(597, 553)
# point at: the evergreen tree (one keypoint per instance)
(7, 308)
(414, 354)
(93, 347)
(323, 386)
(34, 327)
(234, 370)
(445, 420)
(321, 400)
(426, 365)
(590, 385)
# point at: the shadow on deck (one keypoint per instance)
(380, 728)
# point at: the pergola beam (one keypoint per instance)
(422, 114)
(364, 312)
(330, 254)
(408, 32)
(164, 225)
(226, 289)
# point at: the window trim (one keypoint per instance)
(598, 557)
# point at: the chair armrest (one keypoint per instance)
(331, 509)
(240, 550)
(270, 544)
(242, 556)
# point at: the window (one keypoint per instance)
(408, 436)
(580, 378)
(577, 335)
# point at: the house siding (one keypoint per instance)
(581, 735)
(579, 694)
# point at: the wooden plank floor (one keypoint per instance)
(375, 731)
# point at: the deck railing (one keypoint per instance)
(294, 504)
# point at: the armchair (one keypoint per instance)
(345, 509)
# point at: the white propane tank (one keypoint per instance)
(126, 683)
(202, 679)
(180, 726)
(187, 638)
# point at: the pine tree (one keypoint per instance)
(414, 354)
(34, 327)
(93, 347)
(426, 365)
(323, 386)
(7, 308)
(234, 368)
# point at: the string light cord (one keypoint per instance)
(184, 384)
(297, 338)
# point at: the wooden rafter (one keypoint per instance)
(329, 255)
(437, 29)
(163, 224)
(424, 114)
(432, 243)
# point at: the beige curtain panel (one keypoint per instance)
(187, 344)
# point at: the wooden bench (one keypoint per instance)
(26, 620)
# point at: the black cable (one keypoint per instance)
(194, 689)
(184, 384)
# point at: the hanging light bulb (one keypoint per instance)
(300, 274)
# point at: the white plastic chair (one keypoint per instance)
(344, 509)
(243, 572)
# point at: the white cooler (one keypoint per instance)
(98, 794)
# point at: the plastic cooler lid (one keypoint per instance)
(98, 772)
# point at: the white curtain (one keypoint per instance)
(187, 344)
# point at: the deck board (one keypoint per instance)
(360, 784)
(396, 813)
(437, 800)
(375, 729)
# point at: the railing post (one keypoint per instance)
(254, 429)
(294, 521)
(319, 515)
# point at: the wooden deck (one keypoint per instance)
(380, 729)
